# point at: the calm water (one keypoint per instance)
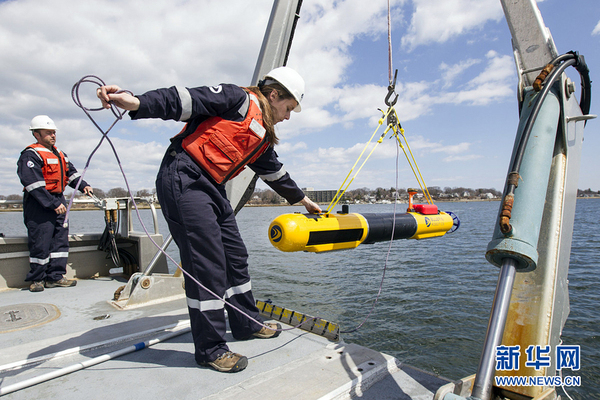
(437, 293)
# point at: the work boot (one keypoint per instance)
(36, 287)
(63, 282)
(228, 362)
(266, 333)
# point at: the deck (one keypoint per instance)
(71, 326)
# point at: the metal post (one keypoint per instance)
(154, 217)
(150, 267)
(482, 387)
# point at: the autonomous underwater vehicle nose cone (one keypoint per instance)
(327, 232)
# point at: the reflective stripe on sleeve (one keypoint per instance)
(243, 110)
(255, 100)
(35, 185)
(74, 176)
(35, 152)
(186, 103)
(274, 176)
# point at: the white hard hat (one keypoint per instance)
(42, 122)
(289, 79)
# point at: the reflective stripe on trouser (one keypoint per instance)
(203, 226)
(48, 242)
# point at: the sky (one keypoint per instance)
(456, 83)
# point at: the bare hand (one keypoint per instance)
(88, 191)
(108, 95)
(60, 209)
(311, 206)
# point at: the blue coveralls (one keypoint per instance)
(201, 219)
(48, 239)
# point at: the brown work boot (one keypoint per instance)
(63, 282)
(229, 362)
(266, 333)
(36, 287)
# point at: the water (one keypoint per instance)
(436, 296)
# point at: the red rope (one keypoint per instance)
(389, 43)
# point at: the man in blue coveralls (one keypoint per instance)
(45, 171)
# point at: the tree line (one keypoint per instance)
(268, 196)
(101, 194)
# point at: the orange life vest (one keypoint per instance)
(54, 168)
(223, 148)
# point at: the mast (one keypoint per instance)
(274, 53)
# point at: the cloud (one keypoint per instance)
(596, 30)
(344, 157)
(439, 21)
(454, 149)
(144, 45)
(416, 99)
(291, 147)
(324, 35)
(468, 157)
(131, 43)
(360, 101)
(493, 84)
(135, 44)
(331, 100)
(451, 72)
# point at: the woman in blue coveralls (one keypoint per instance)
(227, 127)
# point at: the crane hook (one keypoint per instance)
(391, 91)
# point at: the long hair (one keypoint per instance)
(262, 93)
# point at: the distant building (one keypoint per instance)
(321, 196)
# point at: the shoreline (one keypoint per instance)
(20, 208)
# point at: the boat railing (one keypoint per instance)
(126, 206)
(85, 259)
(123, 205)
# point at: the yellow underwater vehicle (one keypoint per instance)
(344, 230)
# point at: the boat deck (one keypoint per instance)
(76, 325)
